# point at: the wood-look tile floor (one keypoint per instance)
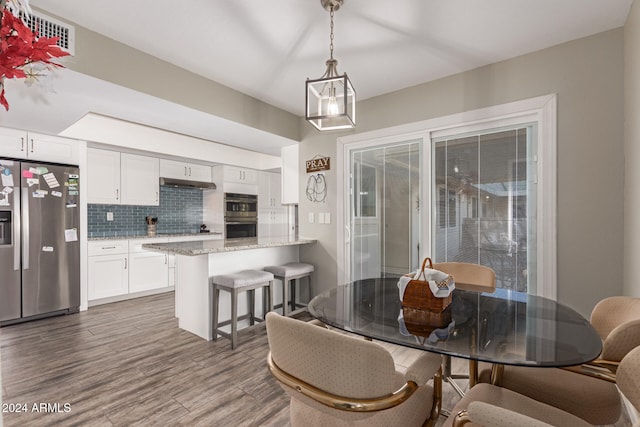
(128, 364)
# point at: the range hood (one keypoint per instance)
(173, 182)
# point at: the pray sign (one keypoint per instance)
(319, 164)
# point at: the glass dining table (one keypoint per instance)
(502, 328)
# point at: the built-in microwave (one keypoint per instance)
(240, 206)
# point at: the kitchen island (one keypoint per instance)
(198, 261)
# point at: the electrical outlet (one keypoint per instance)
(109, 216)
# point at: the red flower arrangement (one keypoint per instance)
(20, 47)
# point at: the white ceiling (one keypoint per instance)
(267, 49)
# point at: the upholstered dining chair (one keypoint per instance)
(470, 277)
(592, 396)
(335, 379)
(492, 406)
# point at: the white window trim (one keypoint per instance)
(542, 109)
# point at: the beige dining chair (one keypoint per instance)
(470, 277)
(588, 390)
(337, 379)
(493, 406)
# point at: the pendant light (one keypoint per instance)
(331, 99)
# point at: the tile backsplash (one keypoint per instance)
(180, 211)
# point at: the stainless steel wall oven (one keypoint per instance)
(240, 216)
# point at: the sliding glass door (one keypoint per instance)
(484, 200)
(384, 218)
(482, 205)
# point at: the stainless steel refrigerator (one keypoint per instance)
(39, 240)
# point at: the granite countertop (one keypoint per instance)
(159, 235)
(203, 247)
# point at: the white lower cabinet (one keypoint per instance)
(108, 269)
(149, 270)
(117, 268)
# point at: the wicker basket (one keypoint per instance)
(418, 295)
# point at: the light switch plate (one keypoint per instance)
(327, 218)
(311, 218)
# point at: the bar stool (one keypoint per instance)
(291, 271)
(242, 281)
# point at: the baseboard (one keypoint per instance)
(125, 297)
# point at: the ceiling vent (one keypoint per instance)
(46, 26)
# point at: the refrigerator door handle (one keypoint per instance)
(25, 228)
(16, 231)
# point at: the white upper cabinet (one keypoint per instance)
(240, 175)
(269, 190)
(120, 178)
(183, 170)
(103, 176)
(13, 143)
(290, 178)
(235, 179)
(140, 177)
(272, 218)
(35, 146)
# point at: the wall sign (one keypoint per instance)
(318, 164)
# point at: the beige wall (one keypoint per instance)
(632, 151)
(587, 75)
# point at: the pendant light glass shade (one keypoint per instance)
(331, 103)
(331, 99)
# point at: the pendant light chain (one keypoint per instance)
(331, 36)
(331, 99)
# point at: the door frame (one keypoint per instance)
(542, 110)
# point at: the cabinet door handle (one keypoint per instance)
(32, 145)
(22, 144)
(165, 258)
(125, 263)
(108, 247)
(157, 196)
(117, 194)
(189, 170)
(185, 171)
